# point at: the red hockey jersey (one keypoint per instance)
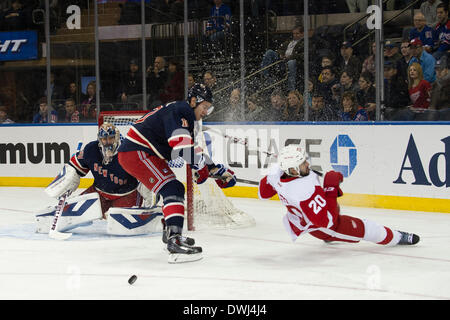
(309, 208)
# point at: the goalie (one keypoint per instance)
(314, 209)
(115, 195)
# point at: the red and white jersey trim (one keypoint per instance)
(113, 196)
(136, 137)
(76, 164)
(180, 141)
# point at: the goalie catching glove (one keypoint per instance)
(331, 184)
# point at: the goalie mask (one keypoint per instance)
(291, 159)
(108, 141)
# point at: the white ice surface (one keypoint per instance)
(253, 263)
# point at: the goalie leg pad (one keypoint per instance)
(78, 211)
(134, 221)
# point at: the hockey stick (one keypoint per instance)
(54, 233)
(245, 143)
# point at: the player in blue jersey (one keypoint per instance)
(164, 134)
(116, 188)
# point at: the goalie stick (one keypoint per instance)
(54, 233)
(245, 143)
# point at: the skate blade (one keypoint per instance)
(182, 257)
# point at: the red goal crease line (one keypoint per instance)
(349, 199)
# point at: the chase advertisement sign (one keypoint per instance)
(18, 45)
(343, 145)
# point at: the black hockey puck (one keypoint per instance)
(132, 279)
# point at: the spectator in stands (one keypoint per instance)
(131, 83)
(156, 79)
(174, 88)
(291, 52)
(351, 111)
(71, 112)
(347, 82)
(191, 80)
(369, 63)
(14, 18)
(328, 81)
(233, 112)
(4, 119)
(357, 5)
(419, 88)
(422, 31)
(254, 108)
(349, 62)
(441, 32)
(45, 114)
(72, 91)
(89, 101)
(294, 110)
(366, 95)
(428, 9)
(277, 105)
(404, 61)
(326, 61)
(219, 22)
(425, 59)
(396, 95)
(210, 80)
(440, 90)
(320, 110)
(392, 52)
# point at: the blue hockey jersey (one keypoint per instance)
(110, 178)
(167, 132)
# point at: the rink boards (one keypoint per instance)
(387, 165)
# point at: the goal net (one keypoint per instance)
(206, 205)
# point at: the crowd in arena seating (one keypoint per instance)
(341, 84)
(416, 77)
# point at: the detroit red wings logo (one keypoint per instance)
(184, 123)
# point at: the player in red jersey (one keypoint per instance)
(314, 209)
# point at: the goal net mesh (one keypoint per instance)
(210, 206)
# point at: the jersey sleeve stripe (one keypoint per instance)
(135, 136)
(180, 141)
(76, 164)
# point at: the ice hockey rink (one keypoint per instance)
(256, 263)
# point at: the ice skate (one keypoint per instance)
(184, 240)
(408, 238)
(179, 250)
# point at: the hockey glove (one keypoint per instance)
(202, 172)
(331, 183)
(225, 178)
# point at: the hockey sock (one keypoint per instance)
(379, 234)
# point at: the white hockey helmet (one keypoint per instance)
(109, 149)
(291, 156)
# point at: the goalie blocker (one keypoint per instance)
(81, 211)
